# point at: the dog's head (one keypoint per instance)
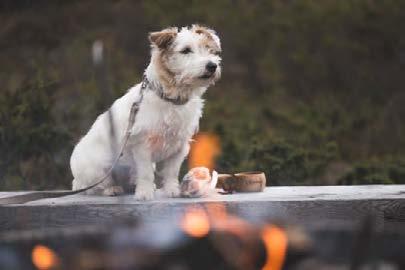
(186, 58)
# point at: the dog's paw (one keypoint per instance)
(144, 194)
(113, 191)
(172, 190)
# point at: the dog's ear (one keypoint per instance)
(199, 29)
(163, 38)
(207, 32)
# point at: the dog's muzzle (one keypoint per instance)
(210, 69)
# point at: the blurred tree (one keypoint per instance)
(31, 140)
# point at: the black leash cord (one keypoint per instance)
(37, 195)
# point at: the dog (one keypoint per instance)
(184, 63)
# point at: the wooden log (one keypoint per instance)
(310, 206)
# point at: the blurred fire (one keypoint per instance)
(230, 235)
(195, 222)
(204, 150)
(213, 217)
(275, 240)
(223, 221)
(44, 258)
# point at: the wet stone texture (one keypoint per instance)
(309, 205)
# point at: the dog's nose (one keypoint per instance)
(211, 67)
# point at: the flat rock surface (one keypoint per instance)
(299, 204)
(290, 193)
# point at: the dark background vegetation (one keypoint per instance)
(312, 91)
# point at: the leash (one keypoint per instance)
(33, 196)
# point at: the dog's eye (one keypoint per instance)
(217, 52)
(186, 50)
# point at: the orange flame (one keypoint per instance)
(204, 150)
(195, 222)
(44, 258)
(221, 220)
(275, 240)
(198, 221)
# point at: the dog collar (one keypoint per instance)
(160, 93)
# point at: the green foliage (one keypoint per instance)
(30, 137)
(376, 173)
(288, 164)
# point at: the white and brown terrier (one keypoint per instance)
(183, 65)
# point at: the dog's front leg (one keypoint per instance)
(144, 178)
(168, 171)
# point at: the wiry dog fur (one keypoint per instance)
(162, 131)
